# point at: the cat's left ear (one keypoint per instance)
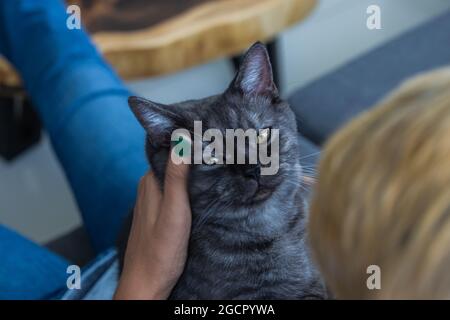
(157, 119)
(255, 75)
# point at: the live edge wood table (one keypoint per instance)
(142, 38)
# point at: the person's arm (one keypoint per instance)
(158, 241)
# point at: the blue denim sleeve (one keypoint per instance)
(83, 105)
(27, 270)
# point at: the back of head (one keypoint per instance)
(383, 197)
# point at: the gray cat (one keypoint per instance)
(248, 237)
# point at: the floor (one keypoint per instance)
(35, 198)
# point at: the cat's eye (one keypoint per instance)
(211, 161)
(263, 136)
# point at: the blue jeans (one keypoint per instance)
(83, 105)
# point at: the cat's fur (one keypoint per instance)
(243, 245)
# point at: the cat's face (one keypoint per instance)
(251, 102)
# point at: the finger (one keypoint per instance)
(175, 202)
(149, 195)
(152, 185)
(175, 185)
(175, 181)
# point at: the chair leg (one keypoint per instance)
(236, 61)
(20, 127)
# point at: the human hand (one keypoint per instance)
(158, 242)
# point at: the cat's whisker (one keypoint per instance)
(295, 184)
(310, 155)
(309, 174)
(309, 170)
(309, 166)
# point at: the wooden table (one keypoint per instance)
(142, 38)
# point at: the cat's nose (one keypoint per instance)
(253, 172)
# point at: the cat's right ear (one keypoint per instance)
(255, 76)
(157, 119)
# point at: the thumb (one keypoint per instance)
(175, 202)
(177, 171)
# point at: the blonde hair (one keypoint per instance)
(383, 197)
